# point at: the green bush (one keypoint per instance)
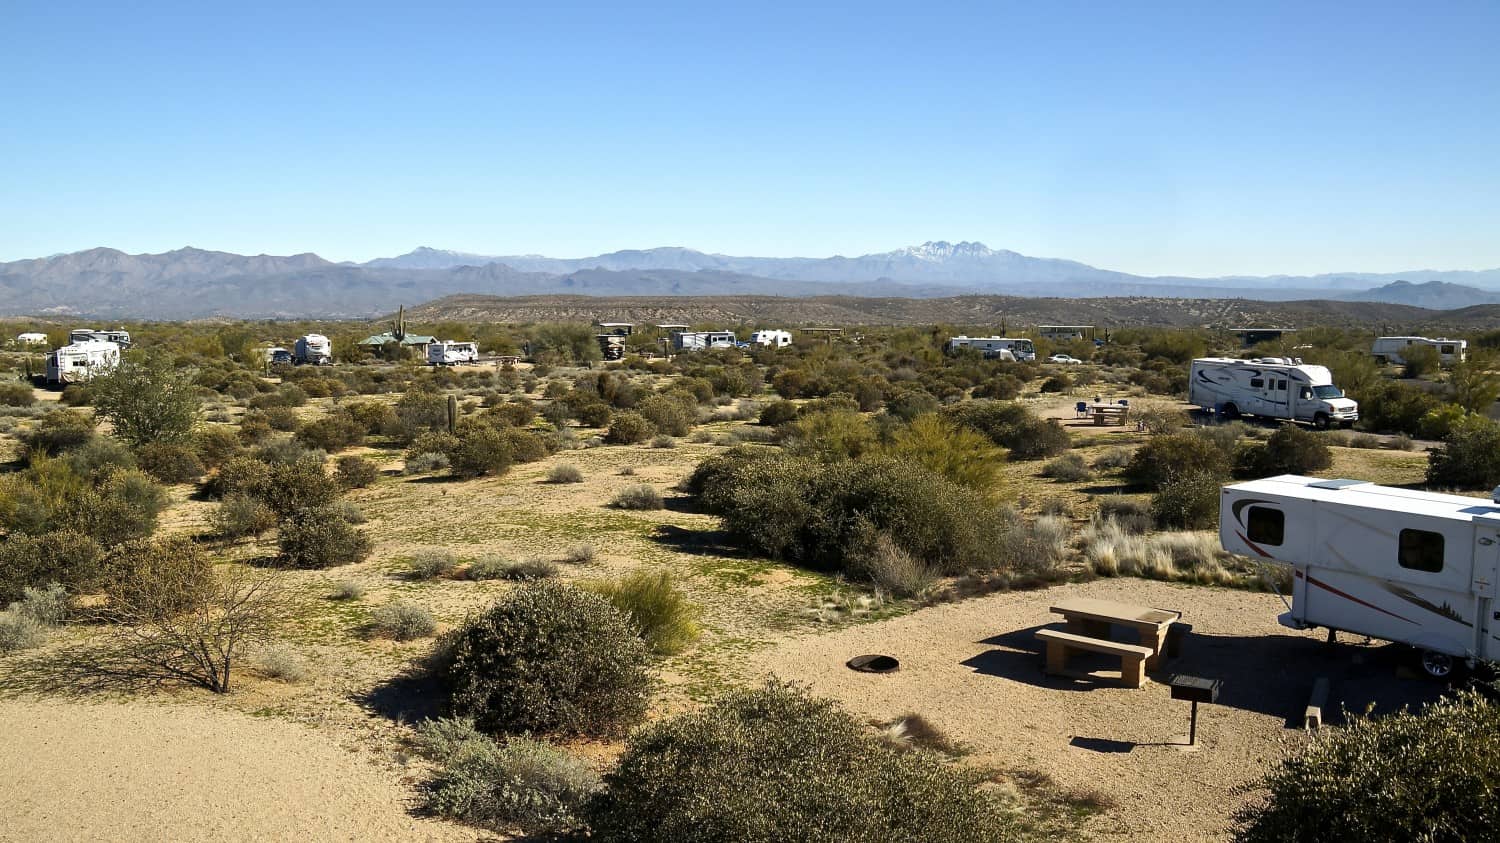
(1187, 502)
(1427, 776)
(829, 435)
(656, 607)
(60, 556)
(775, 764)
(1069, 468)
(519, 785)
(58, 431)
(332, 433)
(669, 413)
(321, 538)
(564, 473)
(1390, 407)
(431, 563)
(629, 428)
(20, 631)
(147, 399)
(1175, 455)
(1057, 383)
(215, 444)
(549, 658)
(959, 454)
(425, 463)
(124, 507)
(1290, 450)
(159, 578)
(169, 462)
(1013, 427)
(240, 516)
(1468, 459)
(777, 413)
(17, 395)
(352, 472)
(295, 486)
(99, 457)
(481, 451)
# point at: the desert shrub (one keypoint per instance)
(778, 412)
(1290, 450)
(282, 664)
(1156, 418)
(215, 444)
(892, 568)
(420, 411)
(629, 428)
(549, 658)
(662, 440)
(75, 395)
(656, 607)
(1468, 459)
(59, 556)
(637, 496)
(1189, 502)
(1401, 442)
(332, 433)
(1069, 468)
(961, 455)
(495, 568)
(431, 563)
(481, 451)
(159, 578)
(564, 473)
(1390, 407)
(1132, 515)
(353, 472)
(347, 590)
(295, 486)
(1113, 459)
(169, 462)
(124, 507)
(1013, 427)
(58, 431)
(243, 475)
(50, 604)
(1405, 775)
(16, 395)
(147, 400)
(20, 631)
(519, 785)
(288, 450)
(284, 419)
(428, 462)
(1174, 455)
(777, 764)
(240, 516)
(1057, 383)
(320, 538)
(578, 554)
(401, 620)
(668, 414)
(99, 457)
(1003, 387)
(829, 435)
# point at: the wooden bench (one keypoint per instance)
(1105, 414)
(1132, 656)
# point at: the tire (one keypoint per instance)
(1380, 360)
(1438, 665)
(1320, 421)
(1231, 412)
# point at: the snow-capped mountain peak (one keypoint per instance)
(941, 250)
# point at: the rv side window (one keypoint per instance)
(1257, 383)
(1421, 550)
(1281, 386)
(1447, 349)
(1306, 392)
(1266, 526)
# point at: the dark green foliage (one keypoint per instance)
(240, 475)
(1427, 776)
(1013, 427)
(481, 450)
(1390, 407)
(549, 658)
(774, 764)
(332, 433)
(215, 444)
(1060, 382)
(147, 400)
(1175, 455)
(673, 413)
(169, 462)
(321, 538)
(778, 412)
(1469, 458)
(239, 516)
(58, 431)
(629, 428)
(1000, 388)
(1290, 450)
(355, 472)
(1187, 502)
(16, 395)
(419, 412)
(910, 403)
(295, 486)
(61, 556)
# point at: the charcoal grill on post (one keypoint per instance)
(1195, 689)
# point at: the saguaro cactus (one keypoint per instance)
(453, 414)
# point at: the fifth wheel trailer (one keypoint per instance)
(1392, 349)
(80, 362)
(1419, 568)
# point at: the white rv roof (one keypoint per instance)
(1373, 496)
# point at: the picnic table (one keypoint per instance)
(1104, 414)
(1091, 617)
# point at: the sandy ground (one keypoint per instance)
(108, 771)
(974, 670)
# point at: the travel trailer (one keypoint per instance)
(312, 350)
(119, 336)
(996, 348)
(31, 338)
(700, 340)
(1391, 349)
(80, 362)
(771, 339)
(1418, 568)
(1270, 387)
(444, 353)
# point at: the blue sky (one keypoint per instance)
(1158, 138)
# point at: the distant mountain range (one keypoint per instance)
(191, 283)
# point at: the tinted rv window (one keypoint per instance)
(1447, 349)
(1421, 550)
(1266, 525)
(1257, 383)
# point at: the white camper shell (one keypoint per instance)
(771, 339)
(996, 348)
(1270, 387)
(445, 353)
(81, 362)
(701, 340)
(1419, 568)
(1392, 349)
(119, 336)
(312, 350)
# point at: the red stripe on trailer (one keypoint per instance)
(1326, 587)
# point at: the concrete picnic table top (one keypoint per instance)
(1121, 613)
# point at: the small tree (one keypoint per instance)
(1475, 385)
(1469, 458)
(147, 399)
(958, 453)
(321, 538)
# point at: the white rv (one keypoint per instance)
(700, 340)
(1001, 348)
(81, 361)
(771, 339)
(1392, 349)
(119, 336)
(312, 350)
(1270, 387)
(445, 353)
(31, 338)
(1419, 568)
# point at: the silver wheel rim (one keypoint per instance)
(1437, 664)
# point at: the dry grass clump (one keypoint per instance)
(913, 731)
(656, 607)
(639, 496)
(1190, 556)
(663, 441)
(565, 473)
(347, 590)
(579, 554)
(1069, 468)
(1113, 459)
(402, 621)
(897, 571)
(431, 563)
(496, 568)
(282, 664)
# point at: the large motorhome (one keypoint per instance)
(80, 362)
(1001, 348)
(771, 339)
(312, 350)
(119, 336)
(1392, 349)
(1270, 387)
(700, 340)
(1419, 568)
(445, 353)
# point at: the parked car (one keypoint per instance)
(1063, 358)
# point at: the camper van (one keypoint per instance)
(312, 350)
(1270, 387)
(1418, 568)
(996, 348)
(80, 362)
(31, 338)
(119, 336)
(771, 339)
(444, 353)
(1392, 349)
(700, 340)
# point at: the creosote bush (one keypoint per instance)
(1175, 455)
(549, 659)
(629, 428)
(658, 609)
(354, 472)
(169, 462)
(320, 538)
(1069, 468)
(1292, 449)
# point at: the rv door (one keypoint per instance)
(1485, 584)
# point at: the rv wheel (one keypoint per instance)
(1438, 665)
(1320, 421)
(1231, 412)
